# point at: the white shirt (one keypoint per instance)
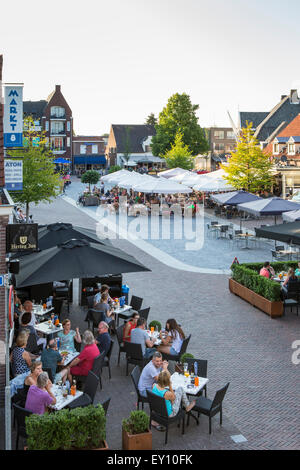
(177, 341)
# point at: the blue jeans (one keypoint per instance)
(143, 393)
(149, 352)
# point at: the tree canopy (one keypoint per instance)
(151, 119)
(179, 114)
(249, 167)
(90, 177)
(40, 183)
(179, 154)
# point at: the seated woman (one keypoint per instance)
(67, 336)
(291, 278)
(83, 363)
(39, 396)
(20, 358)
(163, 388)
(103, 306)
(31, 379)
(172, 343)
(129, 326)
(297, 272)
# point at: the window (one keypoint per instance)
(230, 135)
(68, 126)
(219, 147)
(47, 126)
(57, 112)
(219, 134)
(57, 143)
(68, 141)
(291, 148)
(82, 149)
(57, 127)
(94, 148)
(276, 148)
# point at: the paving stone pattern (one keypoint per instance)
(243, 346)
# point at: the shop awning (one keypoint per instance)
(89, 160)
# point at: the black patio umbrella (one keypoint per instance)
(287, 233)
(234, 198)
(55, 234)
(74, 259)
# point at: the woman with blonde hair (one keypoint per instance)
(67, 336)
(163, 388)
(290, 280)
(20, 358)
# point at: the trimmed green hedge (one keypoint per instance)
(79, 428)
(247, 274)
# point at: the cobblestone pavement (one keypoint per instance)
(243, 346)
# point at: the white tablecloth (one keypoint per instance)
(46, 330)
(179, 380)
(69, 358)
(40, 312)
(126, 308)
(155, 335)
(61, 402)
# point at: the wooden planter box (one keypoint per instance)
(137, 441)
(91, 201)
(274, 309)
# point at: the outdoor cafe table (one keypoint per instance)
(179, 380)
(69, 358)
(246, 236)
(39, 311)
(289, 253)
(61, 402)
(45, 328)
(154, 335)
(123, 310)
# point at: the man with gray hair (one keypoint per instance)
(103, 340)
(39, 396)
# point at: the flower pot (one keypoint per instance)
(136, 441)
(274, 309)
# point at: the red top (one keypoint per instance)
(132, 327)
(87, 356)
(264, 272)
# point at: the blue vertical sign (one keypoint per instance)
(13, 115)
(13, 170)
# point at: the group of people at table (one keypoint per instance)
(291, 277)
(31, 386)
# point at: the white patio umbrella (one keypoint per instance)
(113, 178)
(291, 216)
(161, 186)
(172, 172)
(131, 180)
(213, 185)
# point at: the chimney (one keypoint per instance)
(57, 88)
(294, 99)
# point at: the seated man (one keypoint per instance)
(267, 270)
(27, 307)
(51, 359)
(25, 325)
(39, 396)
(150, 373)
(103, 340)
(140, 336)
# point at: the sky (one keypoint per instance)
(117, 61)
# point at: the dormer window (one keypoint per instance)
(276, 148)
(291, 149)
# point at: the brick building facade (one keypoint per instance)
(54, 116)
(88, 153)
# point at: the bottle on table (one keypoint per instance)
(73, 388)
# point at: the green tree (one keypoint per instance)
(179, 155)
(114, 168)
(179, 114)
(90, 177)
(249, 167)
(40, 183)
(151, 119)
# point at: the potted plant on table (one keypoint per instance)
(80, 428)
(136, 434)
(155, 324)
